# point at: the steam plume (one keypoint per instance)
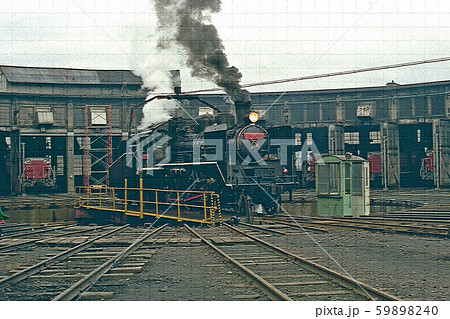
(187, 22)
(157, 111)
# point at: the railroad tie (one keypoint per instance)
(321, 293)
(97, 295)
(301, 283)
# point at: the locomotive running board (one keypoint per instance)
(162, 166)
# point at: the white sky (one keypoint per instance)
(266, 40)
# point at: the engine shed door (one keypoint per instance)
(441, 152)
(390, 154)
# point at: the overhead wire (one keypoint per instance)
(327, 75)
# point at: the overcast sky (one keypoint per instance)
(266, 40)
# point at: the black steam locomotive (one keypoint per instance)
(237, 156)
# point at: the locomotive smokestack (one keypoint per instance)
(176, 81)
(243, 109)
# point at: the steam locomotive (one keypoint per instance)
(237, 156)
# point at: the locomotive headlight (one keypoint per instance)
(253, 117)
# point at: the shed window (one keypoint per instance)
(48, 143)
(375, 137)
(298, 139)
(78, 165)
(309, 139)
(60, 165)
(351, 138)
(98, 117)
(45, 117)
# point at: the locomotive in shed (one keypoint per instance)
(38, 172)
(238, 156)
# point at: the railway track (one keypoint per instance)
(438, 216)
(399, 226)
(21, 240)
(26, 230)
(67, 274)
(279, 273)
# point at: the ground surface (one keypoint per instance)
(188, 273)
(411, 268)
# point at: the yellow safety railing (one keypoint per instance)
(189, 206)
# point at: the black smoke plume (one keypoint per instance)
(187, 23)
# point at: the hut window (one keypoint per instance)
(334, 178)
(324, 179)
(347, 178)
(357, 179)
(328, 179)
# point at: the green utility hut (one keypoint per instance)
(342, 186)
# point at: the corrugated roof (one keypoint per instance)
(18, 74)
(123, 76)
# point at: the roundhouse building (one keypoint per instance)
(53, 113)
(45, 113)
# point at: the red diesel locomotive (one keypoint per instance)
(38, 172)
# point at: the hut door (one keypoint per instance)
(441, 152)
(390, 154)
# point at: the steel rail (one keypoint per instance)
(76, 289)
(262, 228)
(23, 243)
(372, 227)
(344, 281)
(38, 231)
(406, 220)
(18, 227)
(26, 273)
(398, 229)
(297, 225)
(32, 241)
(268, 288)
(388, 223)
(26, 228)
